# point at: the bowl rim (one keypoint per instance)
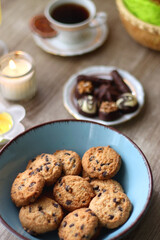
(136, 221)
(136, 21)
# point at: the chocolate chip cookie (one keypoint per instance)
(79, 224)
(48, 165)
(105, 185)
(70, 160)
(112, 208)
(73, 192)
(27, 187)
(42, 216)
(101, 162)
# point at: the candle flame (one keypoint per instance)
(12, 64)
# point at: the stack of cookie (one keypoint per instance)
(84, 197)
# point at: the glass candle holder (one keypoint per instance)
(17, 76)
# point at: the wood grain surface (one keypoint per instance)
(53, 71)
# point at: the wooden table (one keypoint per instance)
(53, 71)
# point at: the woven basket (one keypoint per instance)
(146, 34)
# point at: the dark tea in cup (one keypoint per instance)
(73, 20)
(70, 13)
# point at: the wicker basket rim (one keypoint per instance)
(135, 21)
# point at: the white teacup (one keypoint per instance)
(75, 32)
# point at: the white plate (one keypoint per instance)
(17, 113)
(95, 39)
(132, 82)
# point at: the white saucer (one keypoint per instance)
(132, 82)
(95, 39)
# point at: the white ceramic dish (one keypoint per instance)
(96, 37)
(17, 113)
(133, 83)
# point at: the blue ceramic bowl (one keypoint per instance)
(135, 174)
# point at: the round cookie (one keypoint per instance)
(42, 216)
(71, 162)
(112, 209)
(48, 165)
(73, 192)
(105, 185)
(101, 162)
(27, 187)
(79, 224)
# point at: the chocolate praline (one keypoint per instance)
(83, 88)
(127, 103)
(108, 111)
(87, 106)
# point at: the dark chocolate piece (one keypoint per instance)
(123, 88)
(127, 103)
(108, 111)
(102, 92)
(107, 92)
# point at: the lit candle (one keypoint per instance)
(16, 68)
(17, 76)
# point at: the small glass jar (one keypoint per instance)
(17, 76)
